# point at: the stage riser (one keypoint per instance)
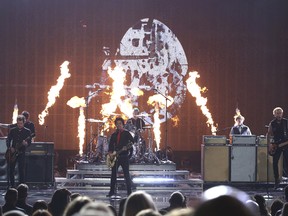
(133, 167)
(97, 176)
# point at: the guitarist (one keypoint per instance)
(119, 141)
(278, 128)
(28, 124)
(18, 139)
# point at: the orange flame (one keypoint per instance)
(137, 92)
(156, 127)
(195, 91)
(117, 94)
(175, 121)
(76, 102)
(15, 114)
(81, 130)
(159, 102)
(54, 91)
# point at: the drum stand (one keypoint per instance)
(150, 156)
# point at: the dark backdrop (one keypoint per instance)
(239, 48)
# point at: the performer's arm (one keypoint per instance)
(269, 134)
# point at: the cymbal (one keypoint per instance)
(115, 114)
(144, 115)
(94, 120)
(148, 127)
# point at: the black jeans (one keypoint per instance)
(276, 158)
(122, 161)
(21, 170)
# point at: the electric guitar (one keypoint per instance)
(111, 158)
(274, 146)
(12, 156)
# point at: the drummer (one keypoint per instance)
(136, 123)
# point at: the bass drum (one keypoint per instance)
(134, 157)
(131, 128)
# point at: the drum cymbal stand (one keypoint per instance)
(87, 101)
(150, 156)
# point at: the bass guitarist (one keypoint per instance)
(278, 128)
(18, 139)
(120, 141)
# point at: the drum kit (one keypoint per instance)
(141, 153)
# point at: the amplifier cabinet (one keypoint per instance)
(3, 146)
(262, 140)
(39, 169)
(40, 162)
(243, 139)
(40, 148)
(210, 139)
(243, 163)
(215, 163)
(262, 161)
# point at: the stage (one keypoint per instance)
(159, 180)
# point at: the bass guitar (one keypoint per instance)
(12, 156)
(111, 158)
(274, 146)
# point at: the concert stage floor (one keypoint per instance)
(159, 180)
(160, 197)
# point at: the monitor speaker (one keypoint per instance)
(39, 169)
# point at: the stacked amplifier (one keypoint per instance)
(239, 159)
(215, 159)
(243, 158)
(40, 162)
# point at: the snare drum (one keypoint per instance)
(102, 146)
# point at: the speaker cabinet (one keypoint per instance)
(215, 163)
(39, 169)
(3, 146)
(243, 163)
(262, 165)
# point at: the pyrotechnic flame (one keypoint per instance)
(118, 92)
(54, 91)
(175, 121)
(195, 91)
(81, 130)
(158, 101)
(76, 102)
(156, 127)
(15, 114)
(137, 92)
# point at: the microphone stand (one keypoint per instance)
(224, 129)
(87, 99)
(166, 128)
